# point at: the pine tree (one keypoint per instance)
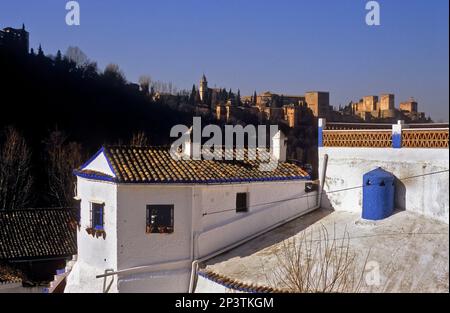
(40, 51)
(255, 98)
(192, 95)
(58, 58)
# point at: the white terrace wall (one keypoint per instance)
(426, 194)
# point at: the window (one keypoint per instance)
(97, 211)
(159, 219)
(241, 202)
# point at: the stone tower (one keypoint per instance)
(203, 88)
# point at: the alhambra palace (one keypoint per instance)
(293, 110)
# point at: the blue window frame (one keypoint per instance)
(97, 215)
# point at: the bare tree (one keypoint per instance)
(317, 263)
(144, 82)
(139, 140)
(15, 172)
(163, 87)
(112, 71)
(62, 158)
(74, 54)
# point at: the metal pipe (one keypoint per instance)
(322, 179)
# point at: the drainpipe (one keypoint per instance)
(194, 266)
(322, 179)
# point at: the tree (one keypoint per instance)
(62, 158)
(238, 98)
(114, 74)
(15, 172)
(58, 57)
(192, 95)
(40, 51)
(197, 97)
(139, 139)
(75, 55)
(317, 262)
(144, 82)
(255, 98)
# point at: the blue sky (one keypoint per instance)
(283, 46)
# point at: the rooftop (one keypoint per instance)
(155, 165)
(37, 233)
(9, 275)
(412, 251)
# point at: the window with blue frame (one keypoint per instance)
(97, 215)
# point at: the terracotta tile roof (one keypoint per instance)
(238, 285)
(37, 233)
(155, 165)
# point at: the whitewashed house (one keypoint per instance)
(146, 218)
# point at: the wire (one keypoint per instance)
(327, 192)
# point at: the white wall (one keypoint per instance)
(164, 260)
(426, 195)
(95, 255)
(222, 229)
(137, 248)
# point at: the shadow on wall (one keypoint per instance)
(400, 195)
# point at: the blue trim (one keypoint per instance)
(397, 140)
(320, 137)
(184, 181)
(92, 158)
(94, 176)
(102, 150)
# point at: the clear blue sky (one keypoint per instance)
(283, 46)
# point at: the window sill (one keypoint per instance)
(94, 232)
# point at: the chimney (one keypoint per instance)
(279, 146)
(192, 144)
(187, 145)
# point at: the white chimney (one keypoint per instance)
(187, 145)
(279, 146)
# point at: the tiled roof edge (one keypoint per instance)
(238, 285)
(94, 176)
(103, 177)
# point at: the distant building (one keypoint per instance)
(410, 109)
(15, 39)
(292, 115)
(409, 106)
(318, 102)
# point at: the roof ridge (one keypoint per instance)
(136, 147)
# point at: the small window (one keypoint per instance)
(241, 202)
(97, 211)
(159, 219)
